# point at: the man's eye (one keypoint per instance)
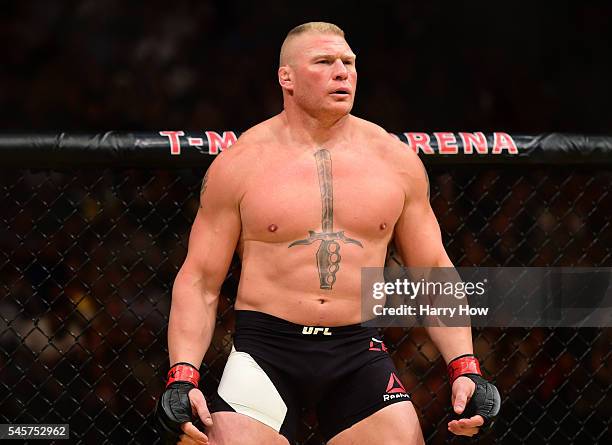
(323, 61)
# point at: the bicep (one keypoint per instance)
(212, 243)
(418, 238)
(214, 234)
(417, 233)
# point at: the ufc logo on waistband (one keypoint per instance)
(311, 330)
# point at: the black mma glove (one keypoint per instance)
(173, 407)
(485, 400)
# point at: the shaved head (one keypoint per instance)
(317, 72)
(286, 53)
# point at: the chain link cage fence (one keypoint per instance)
(88, 258)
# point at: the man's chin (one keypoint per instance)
(339, 109)
(330, 111)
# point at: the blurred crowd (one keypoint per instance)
(92, 65)
(87, 259)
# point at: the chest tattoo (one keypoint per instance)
(328, 255)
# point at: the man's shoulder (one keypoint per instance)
(369, 129)
(236, 163)
(246, 148)
(385, 143)
(258, 135)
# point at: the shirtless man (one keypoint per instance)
(307, 198)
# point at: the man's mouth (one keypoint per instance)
(342, 91)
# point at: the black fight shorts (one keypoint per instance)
(276, 368)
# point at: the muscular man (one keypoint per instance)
(307, 199)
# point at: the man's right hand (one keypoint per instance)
(178, 405)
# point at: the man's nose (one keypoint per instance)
(340, 72)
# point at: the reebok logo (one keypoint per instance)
(395, 389)
(311, 330)
(395, 396)
(377, 345)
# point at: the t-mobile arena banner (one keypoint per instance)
(487, 296)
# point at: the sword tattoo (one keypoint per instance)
(328, 254)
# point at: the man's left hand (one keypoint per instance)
(463, 388)
(470, 394)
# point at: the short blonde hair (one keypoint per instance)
(320, 27)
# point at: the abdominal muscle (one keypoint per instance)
(284, 282)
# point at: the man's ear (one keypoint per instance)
(285, 77)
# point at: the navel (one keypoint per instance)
(272, 227)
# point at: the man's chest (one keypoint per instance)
(322, 193)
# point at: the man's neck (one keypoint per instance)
(309, 130)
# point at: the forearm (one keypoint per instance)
(451, 341)
(192, 320)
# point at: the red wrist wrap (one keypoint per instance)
(464, 364)
(183, 372)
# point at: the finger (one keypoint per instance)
(194, 433)
(455, 429)
(472, 422)
(460, 430)
(184, 439)
(468, 424)
(475, 421)
(467, 432)
(198, 404)
(462, 391)
(460, 400)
